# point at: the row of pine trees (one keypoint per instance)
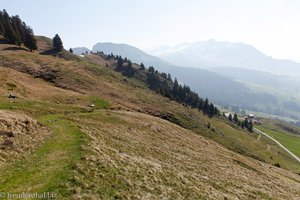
(15, 31)
(163, 84)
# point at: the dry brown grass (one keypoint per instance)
(44, 43)
(136, 156)
(19, 134)
(25, 86)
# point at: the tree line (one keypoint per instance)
(163, 84)
(248, 124)
(15, 31)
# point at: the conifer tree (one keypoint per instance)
(230, 117)
(206, 106)
(57, 43)
(239, 123)
(128, 70)
(142, 66)
(211, 110)
(129, 63)
(243, 124)
(5, 18)
(216, 111)
(235, 118)
(29, 39)
(246, 123)
(176, 83)
(151, 69)
(1, 29)
(169, 77)
(9, 32)
(19, 28)
(200, 104)
(250, 127)
(1, 24)
(120, 63)
(11, 35)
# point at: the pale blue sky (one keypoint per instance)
(273, 26)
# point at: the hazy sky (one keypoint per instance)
(272, 26)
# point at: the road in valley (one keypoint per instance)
(288, 151)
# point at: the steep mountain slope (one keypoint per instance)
(212, 53)
(123, 146)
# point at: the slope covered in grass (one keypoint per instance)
(132, 143)
(70, 82)
(136, 156)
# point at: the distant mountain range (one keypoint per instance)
(225, 84)
(131, 52)
(214, 54)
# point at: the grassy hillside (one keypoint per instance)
(221, 131)
(133, 143)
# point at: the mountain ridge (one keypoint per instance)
(212, 54)
(131, 52)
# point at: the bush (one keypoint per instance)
(277, 165)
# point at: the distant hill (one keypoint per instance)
(80, 50)
(135, 54)
(212, 54)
